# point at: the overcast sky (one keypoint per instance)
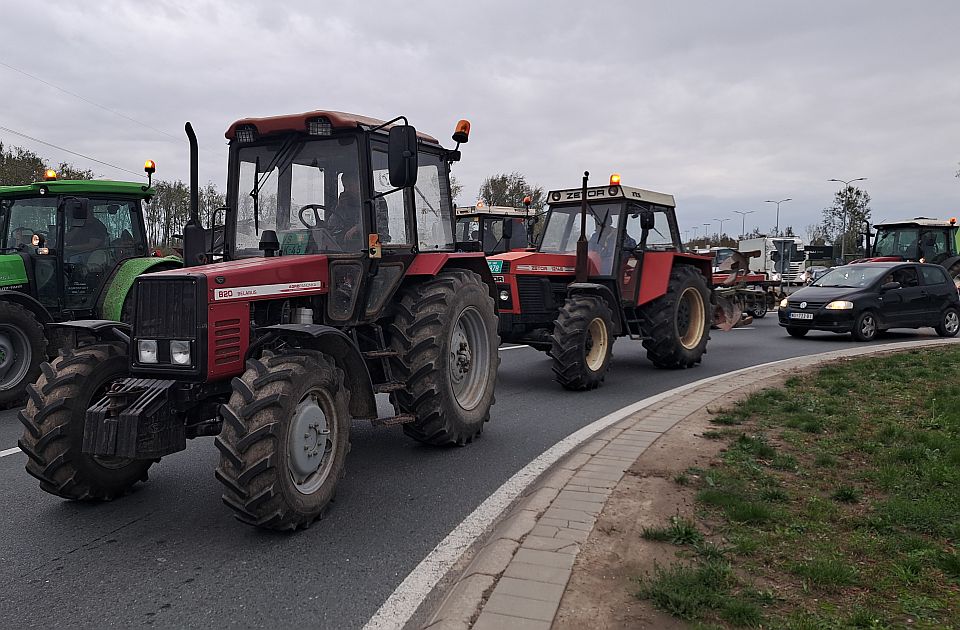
(723, 104)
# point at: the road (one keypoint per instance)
(170, 554)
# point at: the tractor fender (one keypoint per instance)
(345, 354)
(432, 264)
(950, 262)
(117, 287)
(603, 291)
(28, 302)
(100, 329)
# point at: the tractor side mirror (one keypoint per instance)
(269, 243)
(402, 156)
(889, 286)
(508, 229)
(78, 207)
(647, 220)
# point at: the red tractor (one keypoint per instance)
(333, 279)
(610, 263)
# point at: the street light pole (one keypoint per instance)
(777, 229)
(706, 234)
(743, 221)
(846, 207)
(720, 233)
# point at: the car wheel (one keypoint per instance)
(793, 331)
(949, 323)
(865, 327)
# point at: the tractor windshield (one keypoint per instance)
(562, 231)
(900, 242)
(308, 191)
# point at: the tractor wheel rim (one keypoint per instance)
(690, 318)
(310, 445)
(469, 358)
(16, 355)
(596, 344)
(952, 322)
(868, 327)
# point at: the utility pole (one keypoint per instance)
(846, 209)
(743, 220)
(777, 229)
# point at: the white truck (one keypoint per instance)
(781, 258)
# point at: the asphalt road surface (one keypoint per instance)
(171, 555)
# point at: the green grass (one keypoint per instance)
(841, 491)
(680, 531)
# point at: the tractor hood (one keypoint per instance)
(532, 262)
(13, 274)
(254, 278)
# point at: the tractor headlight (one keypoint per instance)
(839, 305)
(776, 277)
(504, 296)
(180, 352)
(147, 350)
(783, 303)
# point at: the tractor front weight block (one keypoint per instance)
(135, 420)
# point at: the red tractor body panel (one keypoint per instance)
(431, 264)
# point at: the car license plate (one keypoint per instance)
(801, 315)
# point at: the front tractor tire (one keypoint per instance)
(54, 420)
(446, 339)
(678, 323)
(285, 439)
(22, 348)
(582, 342)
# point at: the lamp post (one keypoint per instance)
(777, 229)
(706, 235)
(720, 233)
(743, 220)
(846, 206)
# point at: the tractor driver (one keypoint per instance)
(85, 236)
(929, 247)
(603, 241)
(344, 221)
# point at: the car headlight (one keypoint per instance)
(783, 303)
(180, 352)
(839, 305)
(147, 350)
(504, 296)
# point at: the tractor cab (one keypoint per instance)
(498, 229)
(62, 240)
(921, 239)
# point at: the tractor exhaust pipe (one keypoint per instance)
(194, 175)
(582, 241)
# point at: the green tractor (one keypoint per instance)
(69, 250)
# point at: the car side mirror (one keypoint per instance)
(78, 207)
(889, 286)
(647, 220)
(402, 156)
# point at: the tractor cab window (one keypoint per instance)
(433, 206)
(494, 241)
(899, 242)
(468, 229)
(307, 191)
(934, 245)
(391, 218)
(29, 217)
(562, 231)
(660, 237)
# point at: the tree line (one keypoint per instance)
(164, 216)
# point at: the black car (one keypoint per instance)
(866, 298)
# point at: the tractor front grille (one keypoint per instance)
(167, 308)
(539, 295)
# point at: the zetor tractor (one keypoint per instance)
(339, 281)
(68, 250)
(626, 274)
(498, 229)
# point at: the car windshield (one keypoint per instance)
(852, 276)
(307, 191)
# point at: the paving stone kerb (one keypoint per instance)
(517, 579)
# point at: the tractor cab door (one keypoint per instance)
(98, 234)
(25, 219)
(661, 235)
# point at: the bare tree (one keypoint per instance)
(509, 189)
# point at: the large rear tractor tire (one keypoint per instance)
(54, 420)
(954, 273)
(582, 342)
(445, 334)
(23, 347)
(679, 322)
(285, 439)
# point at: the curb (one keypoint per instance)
(518, 576)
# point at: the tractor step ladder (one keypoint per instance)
(388, 387)
(634, 325)
(393, 421)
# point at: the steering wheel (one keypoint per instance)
(316, 217)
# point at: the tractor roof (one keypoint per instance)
(918, 221)
(78, 186)
(499, 211)
(602, 193)
(298, 122)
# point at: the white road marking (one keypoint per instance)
(404, 601)
(743, 328)
(512, 347)
(10, 451)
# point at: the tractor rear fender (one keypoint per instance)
(656, 268)
(117, 287)
(28, 302)
(101, 330)
(432, 264)
(604, 292)
(950, 262)
(344, 352)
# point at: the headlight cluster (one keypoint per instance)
(839, 305)
(148, 352)
(783, 303)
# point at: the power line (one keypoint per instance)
(87, 100)
(86, 157)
